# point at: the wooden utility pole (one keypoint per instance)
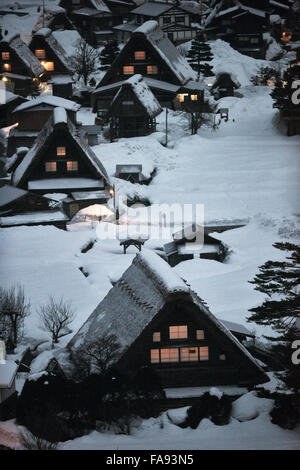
(167, 127)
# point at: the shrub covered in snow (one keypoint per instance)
(250, 406)
(286, 411)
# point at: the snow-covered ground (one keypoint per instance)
(247, 171)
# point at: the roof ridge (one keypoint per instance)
(128, 289)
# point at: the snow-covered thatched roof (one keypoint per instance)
(100, 5)
(152, 9)
(24, 54)
(10, 194)
(55, 47)
(142, 93)
(51, 100)
(161, 46)
(167, 51)
(252, 11)
(60, 120)
(137, 297)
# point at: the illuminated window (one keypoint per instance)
(40, 53)
(286, 37)
(200, 334)
(5, 55)
(151, 69)
(156, 336)
(169, 355)
(194, 97)
(49, 66)
(188, 354)
(177, 332)
(7, 67)
(181, 97)
(140, 55)
(203, 353)
(60, 151)
(128, 70)
(222, 357)
(72, 166)
(154, 356)
(50, 167)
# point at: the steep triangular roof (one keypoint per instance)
(60, 120)
(30, 62)
(143, 94)
(56, 48)
(51, 100)
(161, 45)
(137, 298)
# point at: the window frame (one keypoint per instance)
(70, 163)
(139, 58)
(38, 55)
(153, 68)
(5, 53)
(126, 72)
(58, 152)
(171, 337)
(50, 170)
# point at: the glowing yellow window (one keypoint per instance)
(5, 55)
(194, 97)
(49, 66)
(188, 354)
(7, 67)
(72, 166)
(178, 332)
(128, 70)
(60, 151)
(50, 167)
(40, 53)
(151, 69)
(169, 355)
(154, 356)
(200, 334)
(204, 353)
(140, 55)
(156, 337)
(181, 97)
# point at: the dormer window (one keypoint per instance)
(128, 70)
(152, 69)
(178, 332)
(5, 55)
(60, 151)
(140, 55)
(40, 53)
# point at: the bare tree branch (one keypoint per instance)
(55, 316)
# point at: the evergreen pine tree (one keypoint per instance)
(109, 53)
(281, 310)
(199, 55)
(282, 92)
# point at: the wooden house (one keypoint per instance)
(133, 110)
(161, 323)
(53, 58)
(96, 18)
(21, 207)
(184, 246)
(10, 102)
(150, 54)
(32, 116)
(175, 20)
(60, 161)
(8, 393)
(243, 27)
(20, 69)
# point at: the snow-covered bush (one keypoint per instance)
(265, 76)
(286, 411)
(250, 406)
